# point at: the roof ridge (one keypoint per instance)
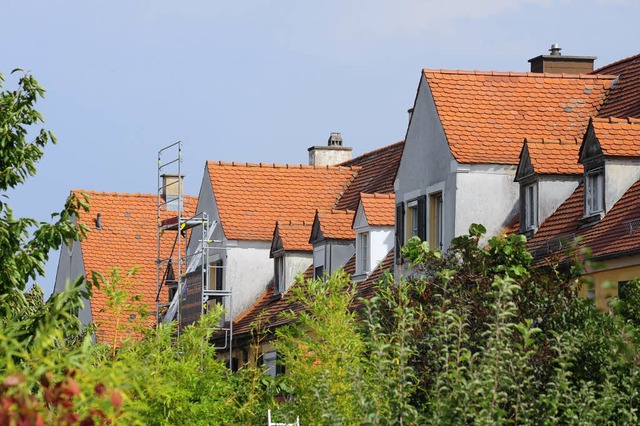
(618, 120)
(554, 141)
(378, 195)
(522, 74)
(619, 61)
(375, 151)
(280, 166)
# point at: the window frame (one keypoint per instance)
(436, 220)
(279, 275)
(363, 257)
(594, 183)
(530, 206)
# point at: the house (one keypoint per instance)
(464, 141)
(122, 233)
(245, 201)
(360, 218)
(603, 213)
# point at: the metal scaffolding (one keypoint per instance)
(193, 282)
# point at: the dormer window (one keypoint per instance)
(279, 275)
(530, 206)
(362, 250)
(594, 191)
(318, 262)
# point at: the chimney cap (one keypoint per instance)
(555, 50)
(335, 139)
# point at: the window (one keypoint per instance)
(416, 218)
(362, 259)
(269, 360)
(399, 230)
(279, 275)
(318, 271)
(530, 206)
(435, 220)
(594, 191)
(318, 261)
(622, 287)
(215, 280)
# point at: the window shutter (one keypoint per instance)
(422, 217)
(399, 230)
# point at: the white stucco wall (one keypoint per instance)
(248, 270)
(552, 192)
(487, 195)
(619, 175)
(381, 244)
(295, 263)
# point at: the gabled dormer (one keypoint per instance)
(548, 172)
(333, 240)
(291, 253)
(373, 224)
(610, 156)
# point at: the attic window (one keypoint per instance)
(318, 261)
(279, 275)
(594, 191)
(530, 206)
(362, 250)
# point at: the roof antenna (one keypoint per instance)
(98, 221)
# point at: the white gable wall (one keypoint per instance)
(70, 267)
(426, 159)
(295, 263)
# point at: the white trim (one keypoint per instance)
(409, 196)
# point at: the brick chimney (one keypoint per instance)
(554, 62)
(332, 154)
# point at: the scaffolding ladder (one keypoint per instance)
(186, 274)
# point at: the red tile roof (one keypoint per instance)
(128, 238)
(336, 224)
(623, 99)
(377, 174)
(294, 235)
(268, 309)
(554, 156)
(486, 115)
(380, 209)
(616, 234)
(618, 137)
(252, 197)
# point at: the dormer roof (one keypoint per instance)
(379, 209)
(128, 237)
(623, 100)
(549, 157)
(332, 225)
(291, 236)
(252, 197)
(612, 137)
(616, 234)
(485, 115)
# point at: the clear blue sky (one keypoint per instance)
(259, 81)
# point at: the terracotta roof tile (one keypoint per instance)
(623, 99)
(336, 224)
(618, 137)
(252, 197)
(294, 235)
(616, 234)
(554, 156)
(380, 209)
(485, 115)
(377, 174)
(128, 238)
